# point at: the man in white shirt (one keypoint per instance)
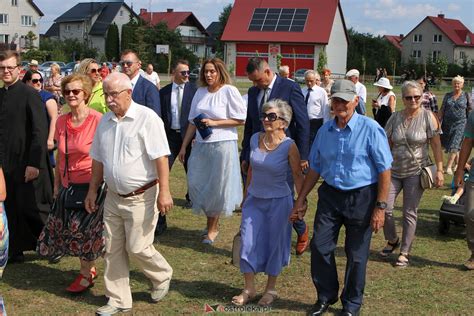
(130, 152)
(353, 75)
(284, 72)
(152, 76)
(317, 103)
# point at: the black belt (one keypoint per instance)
(140, 190)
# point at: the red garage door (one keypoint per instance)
(298, 56)
(246, 51)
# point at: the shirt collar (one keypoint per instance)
(175, 85)
(351, 124)
(270, 86)
(135, 79)
(131, 112)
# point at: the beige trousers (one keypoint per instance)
(129, 231)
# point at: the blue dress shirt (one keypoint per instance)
(351, 157)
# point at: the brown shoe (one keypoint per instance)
(469, 263)
(302, 242)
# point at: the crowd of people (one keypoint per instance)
(109, 193)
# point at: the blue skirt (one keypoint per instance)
(214, 181)
(266, 234)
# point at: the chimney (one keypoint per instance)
(441, 16)
(143, 11)
(169, 10)
(401, 36)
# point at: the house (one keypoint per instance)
(90, 21)
(211, 43)
(395, 40)
(295, 30)
(17, 19)
(193, 34)
(438, 36)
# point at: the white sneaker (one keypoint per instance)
(111, 310)
(450, 199)
(158, 293)
(449, 171)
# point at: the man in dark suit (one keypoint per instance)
(143, 91)
(176, 101)
(267, 86)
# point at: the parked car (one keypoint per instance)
(69, 68)
(46, 67)
(298, 75)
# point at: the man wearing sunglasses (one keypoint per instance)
(176, 101)
(24, 133)
(143, 91)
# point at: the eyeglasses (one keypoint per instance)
(412, 97)
(7, 68)
(185, 73)
(37, 80)
(74, 91)
(127, 63)
(113, 94)
(94, 70)
(271, 117)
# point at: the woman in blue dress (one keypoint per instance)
(266, 210)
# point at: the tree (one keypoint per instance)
(112, 43)
(30, 40)
(322, 60)
(223, 17)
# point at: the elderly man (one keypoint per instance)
(24, 132)
(33, 65)
(352, 155)
(130, 151)
(268, 86)
(143, 91)
(353, 75)
(284, 72)
(152, 76)
(317, 103)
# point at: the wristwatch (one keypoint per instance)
(381, 205)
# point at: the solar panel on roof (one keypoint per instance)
(278, 20)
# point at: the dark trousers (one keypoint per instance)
(314, 126)
(175, 141)
(353, 209)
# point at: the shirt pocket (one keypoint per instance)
(132, 148)
(356, 159)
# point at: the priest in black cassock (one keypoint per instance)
(27, 172)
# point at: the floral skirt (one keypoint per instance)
(73, 232)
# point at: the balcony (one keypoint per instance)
(193, 40)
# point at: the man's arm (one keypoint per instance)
(378, 215)
(96, 180)
(164, 201)
(300, 116)
(248, 128)
(153, 97)
(466, 149)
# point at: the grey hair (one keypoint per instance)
(312, 72)
(411, 85)
(117, 80)
(284, 110)
(284, 68)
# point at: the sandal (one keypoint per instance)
(243, 298)
(268, 298)
(390, 248)
(402, 260)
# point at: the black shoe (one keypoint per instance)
(17, 258)
(188, 204)
(321, 307)
(345, 312)
(55, 259)
(160, 229)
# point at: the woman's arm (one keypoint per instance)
(441, 110)
(190, 132)
(222, 123)
(294, 160)
(392, 103)
(3, 188)
(52, 109)
(435, 143)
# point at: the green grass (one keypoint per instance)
(434, 283)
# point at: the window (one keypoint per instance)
(26, 20)
(3, 18)
(68, 27)
(416, 54)
(462, 55)
(417, 38)
(4, 38)
(14, 3)
(194, 48)
(436, 54)
(437, 38)
(121, 13)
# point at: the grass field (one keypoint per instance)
(434, 284)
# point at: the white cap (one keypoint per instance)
(352, 72)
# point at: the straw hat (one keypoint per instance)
(352, 72)
(384, 83)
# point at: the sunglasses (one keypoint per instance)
(185, 73)
(127, 63)
(94, 70)
(412, 97)
(271, 117)
(37, 80)
(74, 91)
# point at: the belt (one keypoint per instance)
(176, 130)
(140, 190)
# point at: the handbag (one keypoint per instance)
(204, 131)
(236, 250)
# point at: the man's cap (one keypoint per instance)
(344, 89)
(33, 62)
(352, 72)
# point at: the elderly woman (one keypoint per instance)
(53, 83)
(409, 133)
(265, 228)
(428, 100)
(213, 167)
(74, 231)
(326, 82)
(90, 68)
(453, 116)
(385, 104)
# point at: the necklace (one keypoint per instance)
(267, 146)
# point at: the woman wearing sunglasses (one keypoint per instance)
(53, 83)
(74, 232)
(266, 210)
(410, 132)
(91, 68)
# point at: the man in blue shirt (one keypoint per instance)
(352, 155)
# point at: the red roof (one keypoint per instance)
(172, 19)
(317, 29)
(394, 40)
(453, 29)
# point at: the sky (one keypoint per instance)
(378, 17)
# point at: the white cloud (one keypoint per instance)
(392, 11)
(453, 7)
